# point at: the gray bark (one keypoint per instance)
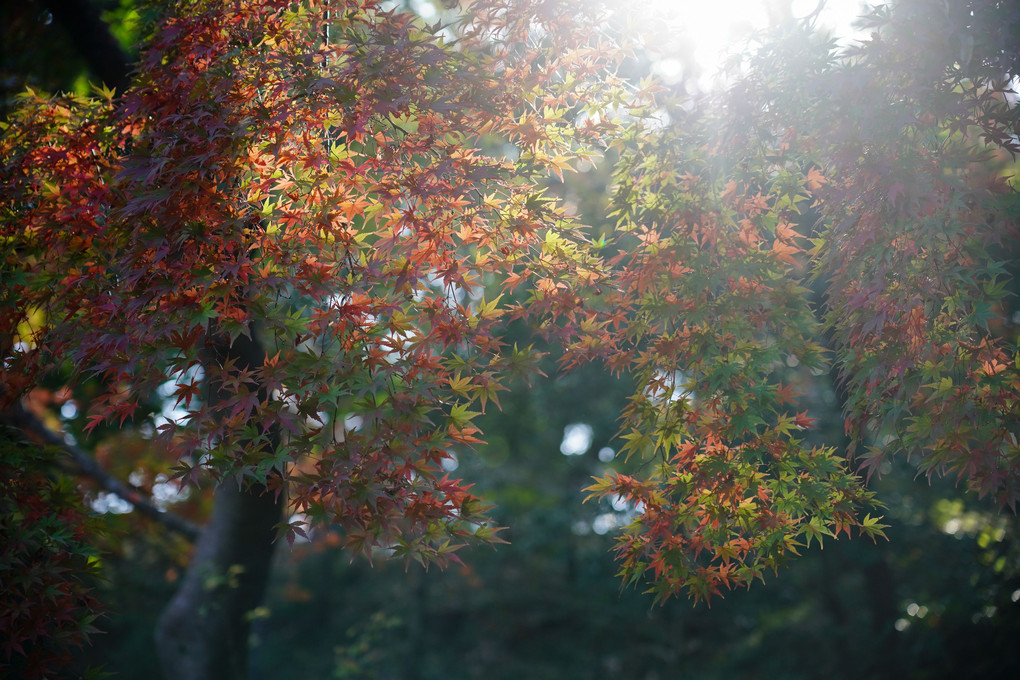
(203, 632)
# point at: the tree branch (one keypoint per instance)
(86, 465)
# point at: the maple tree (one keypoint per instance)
(290, 217)
(302, 224)
(891, 155)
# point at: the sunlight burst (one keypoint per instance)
(691, 40)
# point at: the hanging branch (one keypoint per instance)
(86, 465)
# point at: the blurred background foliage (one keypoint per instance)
(940, 599)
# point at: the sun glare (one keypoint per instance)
(692, 39)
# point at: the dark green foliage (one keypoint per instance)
(47, 564)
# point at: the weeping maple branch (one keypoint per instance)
(86, 465)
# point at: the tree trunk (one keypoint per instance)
(203, 632)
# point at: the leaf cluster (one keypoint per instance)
(47, 564)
